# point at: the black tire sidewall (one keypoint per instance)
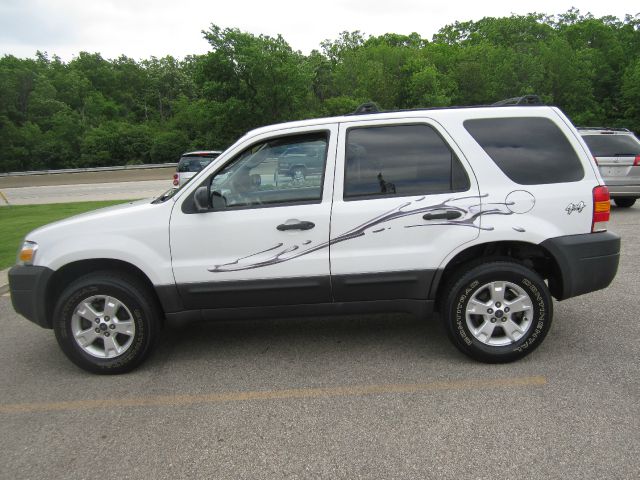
(468, 284)
(624, 202)
(125, 291)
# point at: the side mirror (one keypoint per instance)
(201, 199)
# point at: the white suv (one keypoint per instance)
(482, 214)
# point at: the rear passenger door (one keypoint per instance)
(404, 198)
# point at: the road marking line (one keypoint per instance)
(347, 391)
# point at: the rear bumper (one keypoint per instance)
(587, 262)
(624, 190)
(28, 287)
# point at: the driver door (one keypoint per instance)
(264, 240)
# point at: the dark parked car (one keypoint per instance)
(301, 161)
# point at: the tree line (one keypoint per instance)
(93, 111)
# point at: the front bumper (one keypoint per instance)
(28, 287)
(587, 262)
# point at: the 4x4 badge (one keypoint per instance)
(575, 207)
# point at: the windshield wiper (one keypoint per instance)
(165, 196)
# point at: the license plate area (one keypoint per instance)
(618, 171)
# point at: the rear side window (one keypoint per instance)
(400, 160)
(608, 145)
(530, 151)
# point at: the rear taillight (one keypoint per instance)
(601, 209)
(636, 162)
(176, 181)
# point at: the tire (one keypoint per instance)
(624, 202)
(497, 312)
(107, 322)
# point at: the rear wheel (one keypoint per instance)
(498, 311)
(624, 202)
(106, 322)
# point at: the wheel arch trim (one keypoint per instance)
(70, 271)
(518, 251)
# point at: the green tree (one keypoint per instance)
(116, 143)
(168, 146)
(631, 96)
(262, 72)
(96, 111)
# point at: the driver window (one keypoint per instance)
(280, 170)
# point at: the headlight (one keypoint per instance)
(27, 253)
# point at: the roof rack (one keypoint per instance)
(372, 107)
(612, 129)
(525, 100)
(366, 108)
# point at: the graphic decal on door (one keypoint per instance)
(445, 213)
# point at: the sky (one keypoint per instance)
(143, 28)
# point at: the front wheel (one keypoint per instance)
(106, 322)
(498, 311)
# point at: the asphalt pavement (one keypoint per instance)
(376, 396)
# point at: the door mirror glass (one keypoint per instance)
(218, 202)
(201, 199)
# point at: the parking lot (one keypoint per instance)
(379, 396)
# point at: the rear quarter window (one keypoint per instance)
(528, 150)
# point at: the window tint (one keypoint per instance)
(612, 145)
(400, 160)
(280, 170)
(531, 150)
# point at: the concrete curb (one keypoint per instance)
(4, 281)
(94, 169)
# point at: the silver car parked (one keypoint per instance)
(191, 163)
(617, 152)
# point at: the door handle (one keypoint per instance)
(304, 225)
(450, 215)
